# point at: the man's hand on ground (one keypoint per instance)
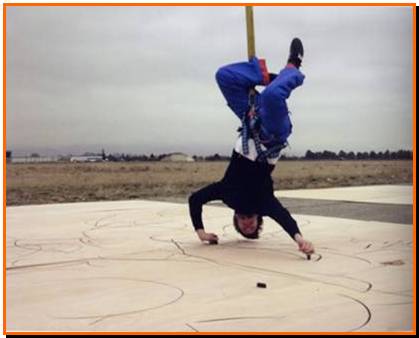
(304, 245)
(204, 236)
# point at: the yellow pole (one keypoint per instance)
(251, 50)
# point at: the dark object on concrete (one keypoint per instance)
(396, 262)
(309, 257)
(213, 242)
(261, 285)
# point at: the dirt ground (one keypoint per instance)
(41, 183)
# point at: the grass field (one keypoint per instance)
(69, 182)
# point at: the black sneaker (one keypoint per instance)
(296, 52)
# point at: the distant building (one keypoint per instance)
(31, 159)
(92, 158)
(177, 157)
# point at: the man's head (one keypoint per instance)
(248, 225)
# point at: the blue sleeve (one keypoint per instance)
(235, 81)
(286, 81)
(244, 74)
(274, 112)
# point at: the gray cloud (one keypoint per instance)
(141, 79)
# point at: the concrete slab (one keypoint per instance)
(393, 194)
(138, 266)
(380, 212)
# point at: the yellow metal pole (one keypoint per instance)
(251, 49)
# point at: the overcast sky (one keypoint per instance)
(141, 79)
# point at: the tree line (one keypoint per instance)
(152, 157)
(372, 155)
(309, 155)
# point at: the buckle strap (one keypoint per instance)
(271, 153)
(245, 136)
(250, 129)
(256, 138)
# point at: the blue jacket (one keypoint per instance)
(235, 81)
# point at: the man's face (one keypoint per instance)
(247, 223)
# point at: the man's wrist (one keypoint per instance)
(298, 237)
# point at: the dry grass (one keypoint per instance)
(68, 182)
